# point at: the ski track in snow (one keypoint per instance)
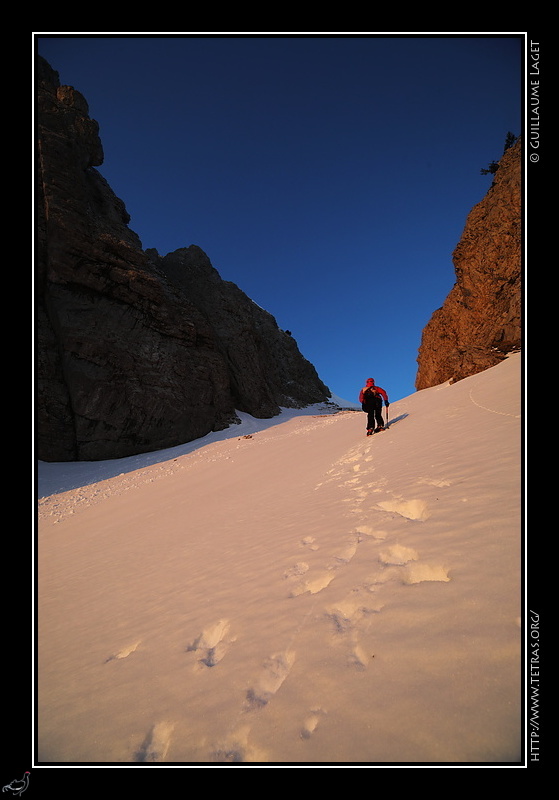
(350, 619)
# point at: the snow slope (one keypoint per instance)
(54, 478)
(295, 595)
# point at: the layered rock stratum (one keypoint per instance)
(136, 352)
(480, 321)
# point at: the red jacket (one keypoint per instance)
(378, 389)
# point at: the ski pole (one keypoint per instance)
(387, 416)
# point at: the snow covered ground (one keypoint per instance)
(60, 477)
(291, 592)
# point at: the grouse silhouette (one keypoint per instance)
(17, 787)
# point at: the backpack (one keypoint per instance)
(370, 395)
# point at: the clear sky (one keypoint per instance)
(329, 176)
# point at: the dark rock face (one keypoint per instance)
(264, 363)
(136, 352)
(480, 320)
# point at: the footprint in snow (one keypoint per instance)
(349, 617)
(398, 555)
(156, 744)
(359, 657)
(276, 670)
(124, 653)
(345, 555)
(309, 541)
(313, 585)
(368, 530)
(414, 509)
(211, 643)
(296, 570)
(311, 722)
(347, 614)
(236, 749)
(418, 573)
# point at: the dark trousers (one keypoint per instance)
(374, 415)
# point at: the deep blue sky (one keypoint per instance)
(328, 176)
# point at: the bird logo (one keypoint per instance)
(17, 787)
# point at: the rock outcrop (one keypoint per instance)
(480, 320)
(136, 352)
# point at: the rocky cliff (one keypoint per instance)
(480, 320)
(136, 352)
